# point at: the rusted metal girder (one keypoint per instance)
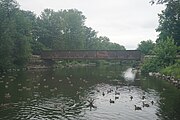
(91, 54)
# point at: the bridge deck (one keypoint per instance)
(92, 54)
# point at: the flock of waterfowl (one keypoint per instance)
(21, 87)
(118, 96)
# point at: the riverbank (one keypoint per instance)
(171, 79)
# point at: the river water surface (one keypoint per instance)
(64, 94)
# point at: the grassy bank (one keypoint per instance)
(173, 70)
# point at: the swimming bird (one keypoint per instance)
(145, 105)
(116, 97)
(143, 97)
(152, 102)
(131, 97)
(111, 101)
(103, 94)
(137, 108)
(117, 93)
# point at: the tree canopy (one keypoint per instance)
(146, 47)
(23, 33)
(169, 22)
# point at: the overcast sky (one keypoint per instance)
(126, 22)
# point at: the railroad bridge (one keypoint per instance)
(91, 55)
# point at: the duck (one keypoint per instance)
(111, 101)
(131, 97)
(117, 93)
(152, 102)
(103, 94)
(145, 105)
(116, 97)
(143, 97)
(137, 108)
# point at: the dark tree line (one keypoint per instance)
(23, 33)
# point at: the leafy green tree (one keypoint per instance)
(62, 29)
(31, 19)
(74, 28)
(151, 65)
(47, 29)
(22, 38)
(166, 51)
(14, 35)
(169, 22)
(115, 46)
(8, 9)
(90, 36)
(146, 47)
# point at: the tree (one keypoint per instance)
(48, 28)
(146, 47)
(169, 22)
(158, 1)
(8, 9)
(90, 36)
(73, 29)
(62, 29)
(23, 36)
(15, 35)
(166, 52)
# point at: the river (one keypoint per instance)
(65, 94)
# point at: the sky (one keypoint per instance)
(126, 22)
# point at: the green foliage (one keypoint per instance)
(150, 65)
(22, 33)
(166, 52)
(172, 70)
(159, 1)
(65, 29)
(169, 22)
(6, 45)
(146, 47)
(14, 35)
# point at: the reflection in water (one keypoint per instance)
(66, 94)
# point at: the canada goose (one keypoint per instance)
(108, 91)
(103, 94)
(152, 102)
(117, 93)
(111, 101)
(145, 105)
(116, 97)
(143, 97)
(131, 97)
(137, 108)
